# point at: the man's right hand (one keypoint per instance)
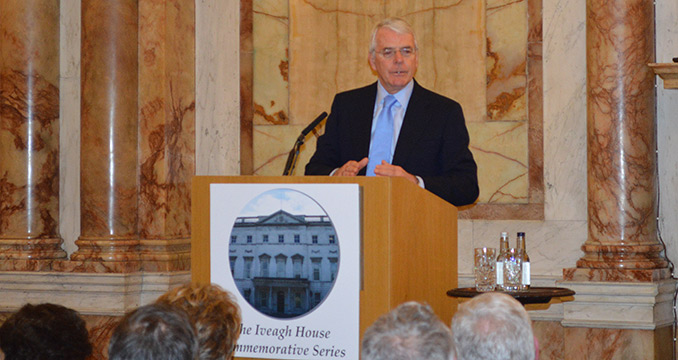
(351, 168)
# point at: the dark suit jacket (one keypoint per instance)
(433, 141)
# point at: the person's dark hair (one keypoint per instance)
(45, 332)
(154, 332)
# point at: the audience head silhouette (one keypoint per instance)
(45, 332)
(215, 315)
(411, 331)
(493, 326)
(154, 332)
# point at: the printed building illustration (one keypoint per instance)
(284, 264)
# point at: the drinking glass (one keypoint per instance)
(513, 266)
(485, 268)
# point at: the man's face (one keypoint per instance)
(395, 71)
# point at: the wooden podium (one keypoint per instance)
(408, 241)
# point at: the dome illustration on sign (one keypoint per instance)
(284, 253)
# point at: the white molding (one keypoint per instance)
(90, 294)
(615, 305)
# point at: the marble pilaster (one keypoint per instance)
(246, 87)
(109, 238)
(29, 134)
(217, 85)
(166, 132)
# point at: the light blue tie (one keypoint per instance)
(380, 146)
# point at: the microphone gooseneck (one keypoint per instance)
(294, 153)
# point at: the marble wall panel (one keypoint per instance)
(585, 344)
(552, 245)
(500, 148)
(506, 60)
(451, 41)
(328, 44)
(550, 336)
(328, 52)
(100, 329)
(565, 110)
(271, 62)
(281, 139)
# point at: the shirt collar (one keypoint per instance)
(403, 96)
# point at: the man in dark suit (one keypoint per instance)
(429, 140)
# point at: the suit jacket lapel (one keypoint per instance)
(361, 123)
(414, 124)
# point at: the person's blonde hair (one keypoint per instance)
(215, 314)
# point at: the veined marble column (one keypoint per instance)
(622, 242)
(622, 307)
(29, 134)
(138, 134)
(109, 239)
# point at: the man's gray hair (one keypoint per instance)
(154, 332)
(493, 326)
(398, 25)
(411, 331)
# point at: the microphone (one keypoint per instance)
(313, 124)
(294, 153)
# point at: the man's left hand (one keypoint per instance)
(386, 169)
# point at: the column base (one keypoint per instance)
(21, 254)
(158, 255)
(620, 263)
(639, 256)
(103, 255)
(616, 275)
(96, 266)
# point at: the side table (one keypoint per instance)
(534, 295)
